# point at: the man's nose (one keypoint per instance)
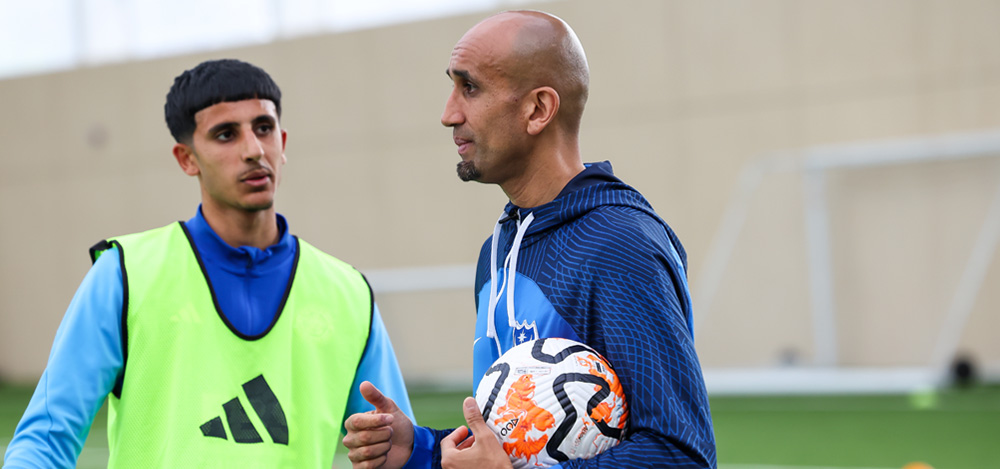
(252, 148)
(452, 115)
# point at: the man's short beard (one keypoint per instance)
(467, 171)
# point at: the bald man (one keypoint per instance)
(590, 258)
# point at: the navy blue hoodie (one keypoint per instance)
(599, 266)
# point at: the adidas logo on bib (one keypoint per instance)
(268, 410)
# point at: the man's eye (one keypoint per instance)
(224, 136)
(265, 129)
(469, 87)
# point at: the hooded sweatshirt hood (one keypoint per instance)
(594, 187)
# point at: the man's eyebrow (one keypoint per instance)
(459, 73)
(221, 127)
(264, 118)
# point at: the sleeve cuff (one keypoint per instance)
(423, 448)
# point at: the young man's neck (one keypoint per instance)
(243, 228)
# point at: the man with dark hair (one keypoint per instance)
(590, 259)
(222, 341)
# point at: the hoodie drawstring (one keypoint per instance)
(510, 273)
(491, 328)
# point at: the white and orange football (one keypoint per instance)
(551, 400)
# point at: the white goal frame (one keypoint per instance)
(824, 375)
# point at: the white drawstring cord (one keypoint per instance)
(522, 227)
(510, 272)
(491, 328)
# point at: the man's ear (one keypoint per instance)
(543, 105)
(186, 159)
(284, 141)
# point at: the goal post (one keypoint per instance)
(826, 371)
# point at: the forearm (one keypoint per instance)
(669, 416)
(644, 449)
(378, 366)
(83, 365)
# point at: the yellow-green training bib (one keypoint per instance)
(195, 394)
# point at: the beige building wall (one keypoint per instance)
(684, 96)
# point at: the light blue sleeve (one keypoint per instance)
(379, 366)
(84, 363)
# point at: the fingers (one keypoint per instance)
(467, 443)
(380, 437)
(455, 439)
(367, 421)
(474, 417)
(463, 437)
(368, 448)
(376, 398)
(475, 446)
(359, 438)
(369, 456)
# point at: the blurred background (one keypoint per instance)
(831, 166)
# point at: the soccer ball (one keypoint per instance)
(551, 400)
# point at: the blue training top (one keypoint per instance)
(86, 358)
